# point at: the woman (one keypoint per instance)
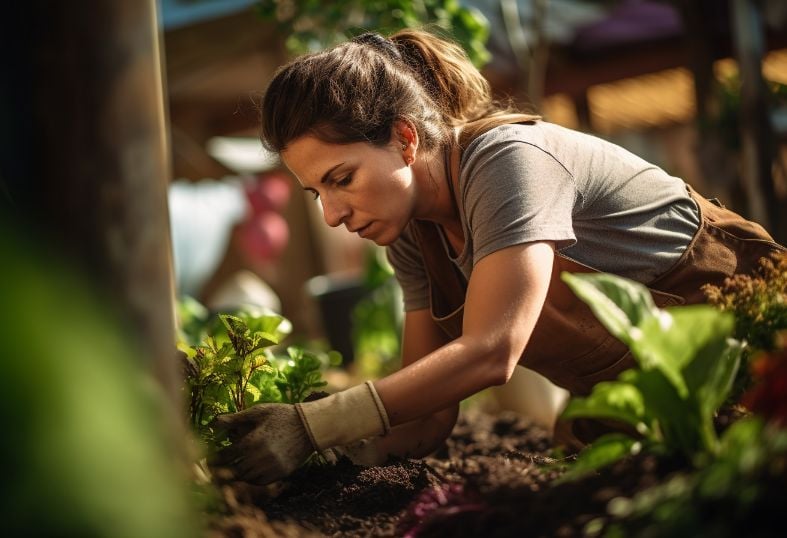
(480, 209)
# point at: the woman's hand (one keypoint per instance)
(269, 442)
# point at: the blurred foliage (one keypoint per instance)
(768, 395)
(85, 451)
(741, 493)
(377, 320)
(759, 303)
(311, 25)
(727, 118)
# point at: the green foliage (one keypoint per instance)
(301, 374)
(376, 319)
(87, 449)
(312, 25)
(234, 366)
(687, 362)
(745, 483)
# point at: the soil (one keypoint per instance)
(493, 477)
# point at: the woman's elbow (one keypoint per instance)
(503, 359)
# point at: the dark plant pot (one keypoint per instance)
(336, 296)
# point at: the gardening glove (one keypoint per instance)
(270, 441)
(364, 452)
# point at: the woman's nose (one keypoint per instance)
(334, 212)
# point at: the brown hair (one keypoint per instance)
(355, 92)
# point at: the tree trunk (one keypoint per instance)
(85, 160)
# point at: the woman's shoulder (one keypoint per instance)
(531, 141)
(538, 134)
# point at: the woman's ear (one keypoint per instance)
(405, 138)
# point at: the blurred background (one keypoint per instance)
(696, 87)
(131, 177)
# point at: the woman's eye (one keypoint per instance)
(315, 194)
(345, 180)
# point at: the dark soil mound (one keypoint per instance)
(492, 478)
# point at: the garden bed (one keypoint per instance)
(491, 478)
(690, 466)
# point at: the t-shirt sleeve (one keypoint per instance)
(514, 192)
(407, 262)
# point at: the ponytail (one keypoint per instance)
(455, 85)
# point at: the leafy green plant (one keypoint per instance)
(311, 26)
(301, 373)
(687, 361)
(234, 366)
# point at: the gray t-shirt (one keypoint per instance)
(602, 205)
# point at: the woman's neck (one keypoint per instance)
(438, 204)
(433, 173)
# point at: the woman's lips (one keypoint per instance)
(364, 230)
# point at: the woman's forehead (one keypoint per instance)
(310, 158)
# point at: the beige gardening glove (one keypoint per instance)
(270, 441)
(365, 452)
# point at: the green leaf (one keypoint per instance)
(620, 304)
(252, 395)
(233, 323)
(263, 339)
(678, 422)
(740, 434)
(611, 400)
(711, 372)
(710, 377)
(605, 450)
(269, 324)
(658, 349)
(672, 339)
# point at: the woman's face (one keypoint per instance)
(369, 189)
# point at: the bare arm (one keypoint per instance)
(504, 299)
(422, 436)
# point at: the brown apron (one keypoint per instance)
(568, 345)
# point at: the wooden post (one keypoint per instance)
(756, 131)
(84, 132)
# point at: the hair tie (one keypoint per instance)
(380, 43)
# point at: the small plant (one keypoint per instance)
(234, 366)
(687, 361)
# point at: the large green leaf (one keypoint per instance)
(710, 374)
(709, 377)
(678, 422)
(620, 304)
(269, 324)
(672, 338)
(612, 400)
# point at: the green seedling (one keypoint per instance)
(235, 366)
